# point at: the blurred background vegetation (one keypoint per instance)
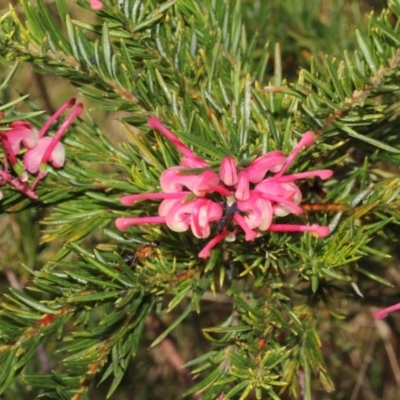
(362, 357)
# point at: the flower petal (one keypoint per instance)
(272, 161)
(204, 212)
(258, 211)
(33, 157)
(173, 180)
(285, 195)
(243, 186)
(177, 214)
(21, 132)
(228, 172)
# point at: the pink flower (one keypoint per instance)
(40, 150)
(251, 197)
(179, 216)
(50, 149)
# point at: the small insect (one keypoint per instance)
(141, 253)
(184, 275)
(230, 211)
(262, 343)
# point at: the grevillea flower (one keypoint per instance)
(251, 197)
(39, 150)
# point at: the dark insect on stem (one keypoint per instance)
(230, 211)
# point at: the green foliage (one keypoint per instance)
(203, 69)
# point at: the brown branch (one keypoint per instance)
(170, 350)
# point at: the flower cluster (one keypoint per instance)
(27, 150)
(196, 197)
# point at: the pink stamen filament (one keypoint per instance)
(39, 176)
(131, 199)
(295, 209)
(321, 231)
(385, 311)
(74, 113)
(322, 174)
(50, 121)
(250, 234)
(155, 123)
(196, 213)
(221, 190)
(125, 223)
(205, 252)
(306, 140)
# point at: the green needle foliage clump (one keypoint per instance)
(273, 318)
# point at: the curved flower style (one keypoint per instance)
(251, 197)
(40, 150)
(172, 180)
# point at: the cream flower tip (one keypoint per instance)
(57, 157)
